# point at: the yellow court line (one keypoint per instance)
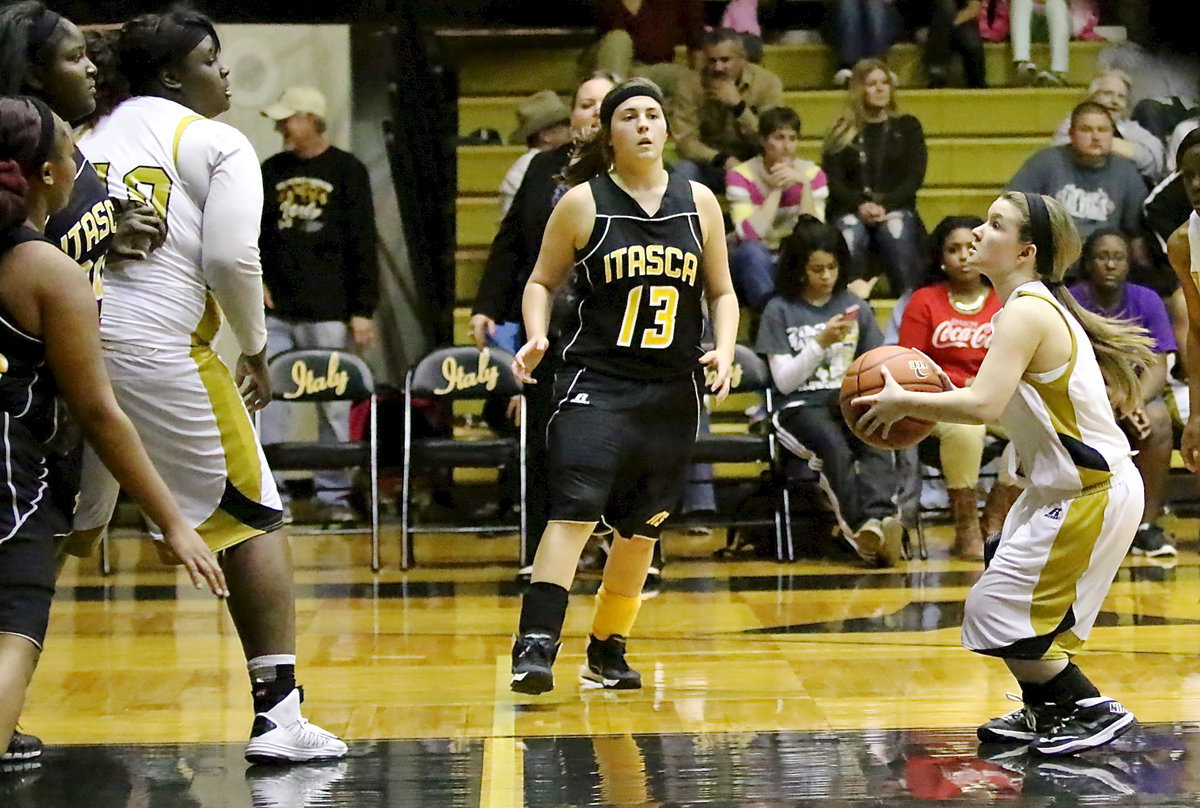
(503, 781)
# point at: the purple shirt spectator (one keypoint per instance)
(1141, 305)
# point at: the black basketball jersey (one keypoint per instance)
(640, 284)
(28, 412)
(84, 229)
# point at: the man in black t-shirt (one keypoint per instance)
(319, 263)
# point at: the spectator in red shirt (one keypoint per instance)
(950, 319)
(638, 38)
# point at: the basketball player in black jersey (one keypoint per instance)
(646, 249)
(50, 346)
(42, 54)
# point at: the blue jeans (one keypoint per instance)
(897, 238)
(752, 267)
(333, 417)
(863, 29)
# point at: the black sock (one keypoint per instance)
(1068, 687)
(543, 609)
(269, 692)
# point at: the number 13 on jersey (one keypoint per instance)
(664, 300)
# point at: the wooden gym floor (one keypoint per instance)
(816, 683)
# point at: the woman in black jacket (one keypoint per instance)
(875, 158)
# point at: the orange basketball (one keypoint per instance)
(912, 370)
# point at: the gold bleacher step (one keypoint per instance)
(497, 68)
(477, 223)
(997, 112)
(955, 161)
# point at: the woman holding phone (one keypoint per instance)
(811, 332)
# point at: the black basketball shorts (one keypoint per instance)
(620, 450)
(27, 581)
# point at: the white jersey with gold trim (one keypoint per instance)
(1060, 422)
(203, 178)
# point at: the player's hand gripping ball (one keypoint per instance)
(912, 370)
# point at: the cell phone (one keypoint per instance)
(851, 313)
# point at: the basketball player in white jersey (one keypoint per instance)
(1047, 378)
(160, 316)
(1183, 250)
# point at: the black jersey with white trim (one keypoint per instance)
(28, 410)
(84, 229)
(641, 286)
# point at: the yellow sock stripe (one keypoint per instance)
(614, 614)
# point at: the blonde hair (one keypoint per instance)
(846, 128)
(1111, 73)
(1122, 347)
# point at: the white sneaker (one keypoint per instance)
(282, 735)
(293, 786)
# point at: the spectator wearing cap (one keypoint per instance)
(319, 264)
(543, 122)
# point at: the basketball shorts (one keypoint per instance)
(1042, 592)
(620, 450)
(27, 572)
(191, 419)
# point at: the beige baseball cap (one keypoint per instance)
(294, 100)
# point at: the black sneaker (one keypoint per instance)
(1077, 779)
(22, 747)
(1020, 726)
(1151, 542)
(1094, 722)
(532, 663)
(606, 665)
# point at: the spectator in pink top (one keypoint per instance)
(767, 194)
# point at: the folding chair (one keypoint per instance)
(750, 374)
(310, 375)
(455, 374)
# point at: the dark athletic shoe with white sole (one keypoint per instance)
(532, 664)
(1020, 726)
(1094, 722)
(606, 665)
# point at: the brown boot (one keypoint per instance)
(1000, 500)
(968, 540)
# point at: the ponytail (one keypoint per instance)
(1122, 348)
(590, 159)
(13, 209)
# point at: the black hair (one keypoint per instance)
(111, 87)
(776, 118)
(1190, 140)
(151, 42)
(1089, 247)
(810, 235)
(29, 35)
(27, 134)
(937, 241)
(718, 35)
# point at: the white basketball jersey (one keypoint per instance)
(156, 150)
(1194, 243)
(1060, 422)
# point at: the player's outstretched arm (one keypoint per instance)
(568, 228)
(65, 309)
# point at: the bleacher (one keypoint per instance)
(977, 139)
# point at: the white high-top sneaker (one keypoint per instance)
(293, 786)
(282, 735)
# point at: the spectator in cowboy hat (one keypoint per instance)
(543, 122)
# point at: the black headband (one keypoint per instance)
(1041, 234)
(183, 40)
(45, 144)
(41, 29)
(622, 93)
